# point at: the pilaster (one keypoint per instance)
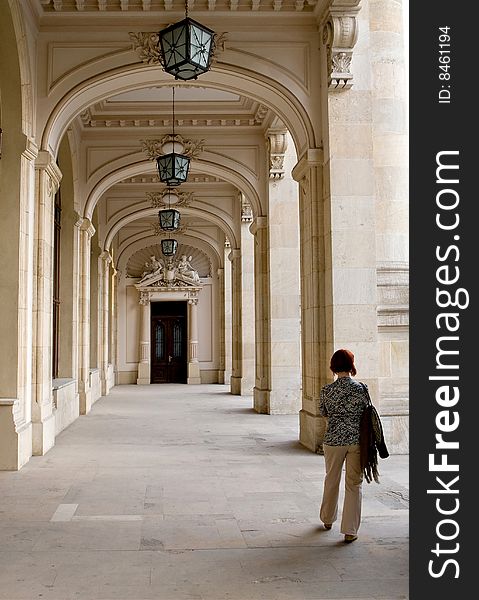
(262, 388)
(284, 266)
(47, 180)
(104, 291)
(247, 292)
(87, 231)
(144, 366)
(193, 364)
(236, 321)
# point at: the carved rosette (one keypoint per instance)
(154, 148)
(277, 146)
(157, 200)
(340, 34)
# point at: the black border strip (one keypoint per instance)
(443, 357)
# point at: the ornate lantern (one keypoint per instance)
(169, 246)
(169, 218)
(186, 48)
(173, 167)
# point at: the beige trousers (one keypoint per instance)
(335, 456)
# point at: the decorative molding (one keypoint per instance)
(246, 211)
(30, 152)
(106, 257)
(260, 222)
(145, 297)
(147, 44)
(88, 227)
(340, 33)
(393, 294)
(124, 6)
(260, 114)
(154, 148)
(156, 199)
(277, 146)
(45, 162)
(157, 230)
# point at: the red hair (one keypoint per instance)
(343, 360)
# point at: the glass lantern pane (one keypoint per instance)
(168, 246)
(200, 46)
(169, 219)
(174, 45)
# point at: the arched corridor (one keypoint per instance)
(180, 492)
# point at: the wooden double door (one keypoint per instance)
(169, 342)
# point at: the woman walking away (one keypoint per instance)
(342, 402)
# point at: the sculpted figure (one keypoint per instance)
(186, 270)
(152, 270)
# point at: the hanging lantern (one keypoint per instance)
(173, 166)
(169, 219)
(186, 48)
(169, 246)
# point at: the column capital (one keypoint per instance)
(47, 163)
(313, 157)
(145, 298)
(340, 33)
(87, 226)
(246, 210)
(260, 222)
(277, 144)
(31, 150)
(106, 257)
(234, 254)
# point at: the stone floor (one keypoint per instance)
(179, 492)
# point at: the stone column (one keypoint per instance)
(390, 154)
(144, 366)
(262, 388)
(227, 309)
(193, 364)
(283, 217)
(17, 210)
(222, 307)
(236, 320)
(247, 292)
(316, 300)
(48, 178)
(86, 233)
(113, 357)
(104, 268)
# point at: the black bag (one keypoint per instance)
(371, 440)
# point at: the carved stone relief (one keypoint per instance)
(340, 33)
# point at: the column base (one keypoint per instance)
(144, 376)
(221, 377)
(85, 401)
(261, 400)
(193, 373)
(311, 431)
(284, 401)
(43, 436)
(15, 443)
(235, 385)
